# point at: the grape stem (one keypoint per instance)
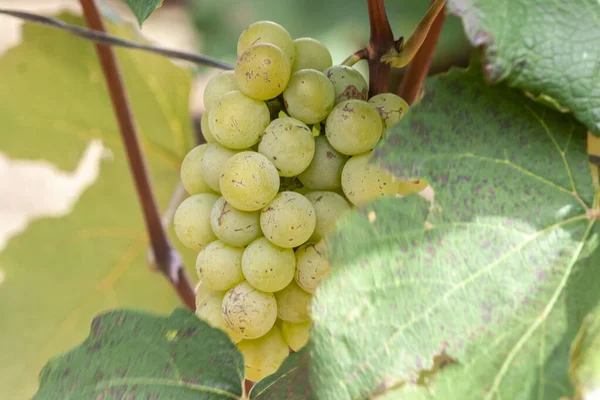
(361, 54)
(418, 68)
(167, 259)
(380, 42)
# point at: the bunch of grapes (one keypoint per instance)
(289, 137)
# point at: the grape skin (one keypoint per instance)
(263, 356)
(249, 181)
(206, 133)
(312, 265)
(353, 127)
(363, 181)
(296, 335)
(293, 303)
(267, 32)
(191, 221)
(215, 156)
(208, 309)
(232, 226)
(325, 170)
(311, 54)
(268, 267)
(217, 86)
(262, 71)
(390, 107)
(289, 220)
(309, 96)
(219, 266)
(348, 83)
(236, 121)
(289, 144)
(329, 208)
(191, 173)
(248, 311)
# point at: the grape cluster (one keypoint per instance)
(289, 137)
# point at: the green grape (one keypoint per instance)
(215, 156)
(363, 181)
(325, 169)
(208, 309)
(236, 121)
(191, 221)
(329, 207)
(232, 226)
(206, 133)
(309, 96)
(217, 86)
(249, 181)
(249, 312)
(390, 107)
(191, 174)
(289, 220)
(267, 32)
(293, 303)
(311, 54)
(262, 71)
(312, 265)
(288, 144)
(348, 83)
(263, 356)
(296, 335)
(353, 127)
(219, 266)
(268, 267)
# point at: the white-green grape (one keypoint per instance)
(325, 170)
(293, 303)
(263, 356)
(248, 311)
(232, 226)
(267, 32)
(289, 144)
(363, 181)
(219, 266)
(309, 96)
(296, 334)
(191, 173)
(348, 83)
(206, 133)
(353, 127)
(208, 309)
(390, 107)
(249, 181)
(217, 86)
(329, 208)
(268, 267)
(289, 220)
(311, 54)
(192, 221)
(214, 158)
(236, 121)
(262, 71)
(312, 265)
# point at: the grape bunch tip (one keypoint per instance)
(289, 138)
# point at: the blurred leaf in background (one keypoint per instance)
(63, 271)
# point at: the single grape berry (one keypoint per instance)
(390, 107)
(217, 86)
(208, 308)
(312, 265)
(309, 96)
(263, 356)
(363, 181)
(262, 71)
(267, 32)
(296, 334)
(249, 312)
(192, 221)
(325, 170)
(232, 226)
(289, 220)
(191, 173)
(268, 267)
(219, 266)
(311, 54)
(353, 127)
(329, 208)
(293, 304)
(348, 83)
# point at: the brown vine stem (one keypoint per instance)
(418, 68)
(167, 259)
(380, 43)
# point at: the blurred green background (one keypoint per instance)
(66, 267)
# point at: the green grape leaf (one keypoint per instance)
(130, 354)
(549, 49)
(585, 357)
(290, 382)
(143, 8)
(495, 277)
(62, 271)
